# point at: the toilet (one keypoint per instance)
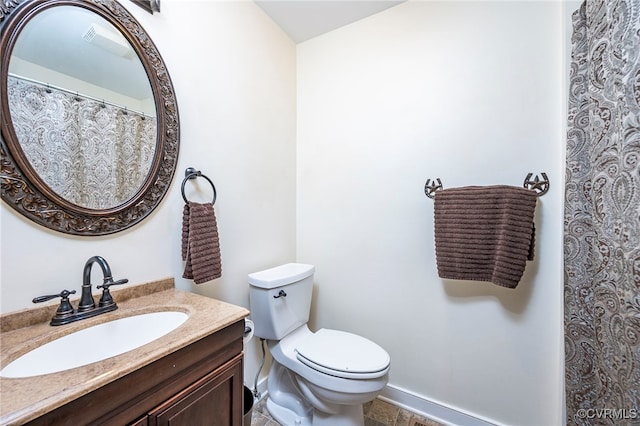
(316, 378)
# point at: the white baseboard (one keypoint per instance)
(432, 410)
(439, 412)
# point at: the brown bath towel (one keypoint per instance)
(200, 244)
(484, 233)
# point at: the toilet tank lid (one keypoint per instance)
(281, 275)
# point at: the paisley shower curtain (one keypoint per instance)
(93, 154)
(602, 216)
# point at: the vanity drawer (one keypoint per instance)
(129, 399)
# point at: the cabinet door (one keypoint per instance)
(214, 400)
(141, 422)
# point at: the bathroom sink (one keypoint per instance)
(94, 344)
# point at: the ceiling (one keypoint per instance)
(54, 40)
(305, 19)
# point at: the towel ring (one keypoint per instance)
(537, 185)
(192, 173)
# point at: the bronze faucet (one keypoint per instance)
(65, 313)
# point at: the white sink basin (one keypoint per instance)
(94, 344)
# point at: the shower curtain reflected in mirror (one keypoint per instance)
(92, 154)
(602, 217)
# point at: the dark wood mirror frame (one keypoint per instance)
(24, 191)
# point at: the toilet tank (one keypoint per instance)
(280, 299)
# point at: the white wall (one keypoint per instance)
(468, 92)
(233, 71)
(472, 93)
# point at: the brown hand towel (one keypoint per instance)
(200, 244)
(484, 233)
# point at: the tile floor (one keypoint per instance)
(376, 413)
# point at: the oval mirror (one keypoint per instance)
(89, 116)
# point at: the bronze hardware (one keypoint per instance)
(539, 186)
(65, 313)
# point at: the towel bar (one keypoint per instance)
(191, 173)
(540, 186)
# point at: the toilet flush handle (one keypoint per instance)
(280, 294)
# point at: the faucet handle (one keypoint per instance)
(106, 299)
(64, 294)
(65, 307)
(109, 282)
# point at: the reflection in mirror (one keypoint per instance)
(89, 119)
(82, 107)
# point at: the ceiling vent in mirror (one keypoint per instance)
(107, 40)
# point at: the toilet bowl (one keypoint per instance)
(316, 378)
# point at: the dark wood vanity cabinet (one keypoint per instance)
(198, 385)
(210, 401)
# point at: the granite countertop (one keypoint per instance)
(24, 399)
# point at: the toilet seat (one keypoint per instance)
(343, 354)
